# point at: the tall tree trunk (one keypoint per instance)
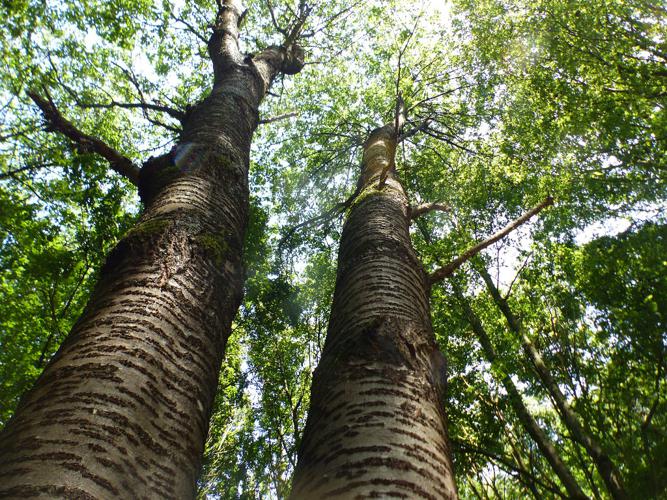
(122, 409)
(603, 463)
(376, 425)
(534, 430)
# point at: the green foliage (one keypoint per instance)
(49, 257)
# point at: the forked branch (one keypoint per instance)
(447, 270)
(83, 142)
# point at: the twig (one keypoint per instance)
(189, 27)
(12, 173)
(516, 276)
(329, 214)
(278, 28)
(179, 115)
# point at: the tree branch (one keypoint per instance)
(174, 113)
(83, 142)
(415, 130)
(30, 168)
(447, 270)
(327, 215)
(327, 22)
(425, 208)
(463, 446)
(299, 22)
(274, 20)
(189, 27)
(276, 118)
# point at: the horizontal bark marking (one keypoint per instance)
(420, 453)
(357, 449)
(386, 391)
(413, 488)
(335, 443)
(420, 439)
(68, 461)
(50, 491)
(386, 494)
(15, 471)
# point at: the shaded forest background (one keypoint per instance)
(508, 103)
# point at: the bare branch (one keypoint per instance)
(274, 20)
(189, 27)
(505, 462)
(174, 113)
(425, 208)
(436, 96)
(447, 270)
(28, 168)
(143, 104)
(442, 136)
(276, 118)
(415, 130)
(299, 22)
(84, 142)
(325, 216)
(518, 273)
(329, 21)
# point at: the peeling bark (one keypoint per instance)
(376, 425)
(122, 409)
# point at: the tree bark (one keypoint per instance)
(122, 409)
(603, 463)
(534, 430)
(376, 425)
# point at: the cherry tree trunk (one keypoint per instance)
(122, 409)
(376, 426)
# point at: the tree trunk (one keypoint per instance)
(376, 425)
(122, 409)
(534, 430)
(605, 467)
